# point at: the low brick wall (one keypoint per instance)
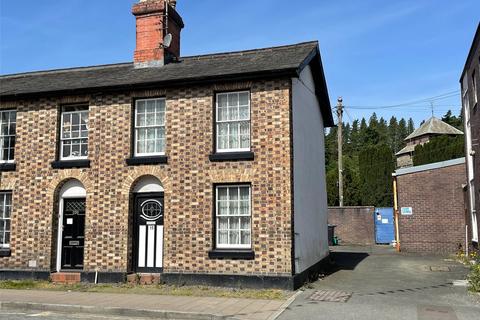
(354, 225)
(437, 225)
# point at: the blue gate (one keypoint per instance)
(384, 229)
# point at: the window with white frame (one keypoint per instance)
(233, 216)
(74, 133)
(149, 127)
(5, 213)
(8, 121)
(233, 122)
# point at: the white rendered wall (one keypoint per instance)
(310, 193)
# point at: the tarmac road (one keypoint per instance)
(389, 286)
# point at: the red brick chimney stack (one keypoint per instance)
(156, 19)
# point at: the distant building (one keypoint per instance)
(470, 94)
(431, 128)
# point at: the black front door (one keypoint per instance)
(148, 232)
(73, 235)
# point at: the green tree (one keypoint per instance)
(355, 136)
(376, 165)
(452, 120)
(439, 148)
(368, 159)
(332, 185)
(352, 188)
(410, 126)
(392, 134)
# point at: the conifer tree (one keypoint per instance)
(411, 126)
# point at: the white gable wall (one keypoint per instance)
(310, 193)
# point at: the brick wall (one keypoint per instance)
(437, 225)
(188, 180)
(151, 31)
(354, 225)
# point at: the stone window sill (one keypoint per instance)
(67, 164)
(8, 166)
(136, 161)
(232, 156)
(4, 252)
(231, 254)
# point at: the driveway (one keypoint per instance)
(387, 285)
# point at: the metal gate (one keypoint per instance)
(384, 228)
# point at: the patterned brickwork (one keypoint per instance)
(437, 225)
(188, 180)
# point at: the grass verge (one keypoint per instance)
(194, 291)
(473, 261)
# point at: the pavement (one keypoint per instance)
(135, 305)
(387, 285)
(367, 283)
(48, 315)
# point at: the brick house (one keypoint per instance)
(470, 85)
(205, 169)
(434, 222)
(433, 127)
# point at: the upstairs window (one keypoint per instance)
(149, 127)
(233, 217)
(233, 122)
(5, 213)
(8, 121)
(74, 133)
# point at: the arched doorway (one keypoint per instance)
(71, 226)
(148, 214)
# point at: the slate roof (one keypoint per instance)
(241, 65)
(407, 149)
(433, 126)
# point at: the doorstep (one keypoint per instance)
(143, 278)
(65, 277)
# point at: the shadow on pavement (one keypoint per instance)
(346, 260)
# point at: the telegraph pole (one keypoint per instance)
(340, 151)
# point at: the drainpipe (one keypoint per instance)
(395, 212)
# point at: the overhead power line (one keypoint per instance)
(443, 96)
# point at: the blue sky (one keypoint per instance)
(375, 52)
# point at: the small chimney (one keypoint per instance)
(155, 20)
